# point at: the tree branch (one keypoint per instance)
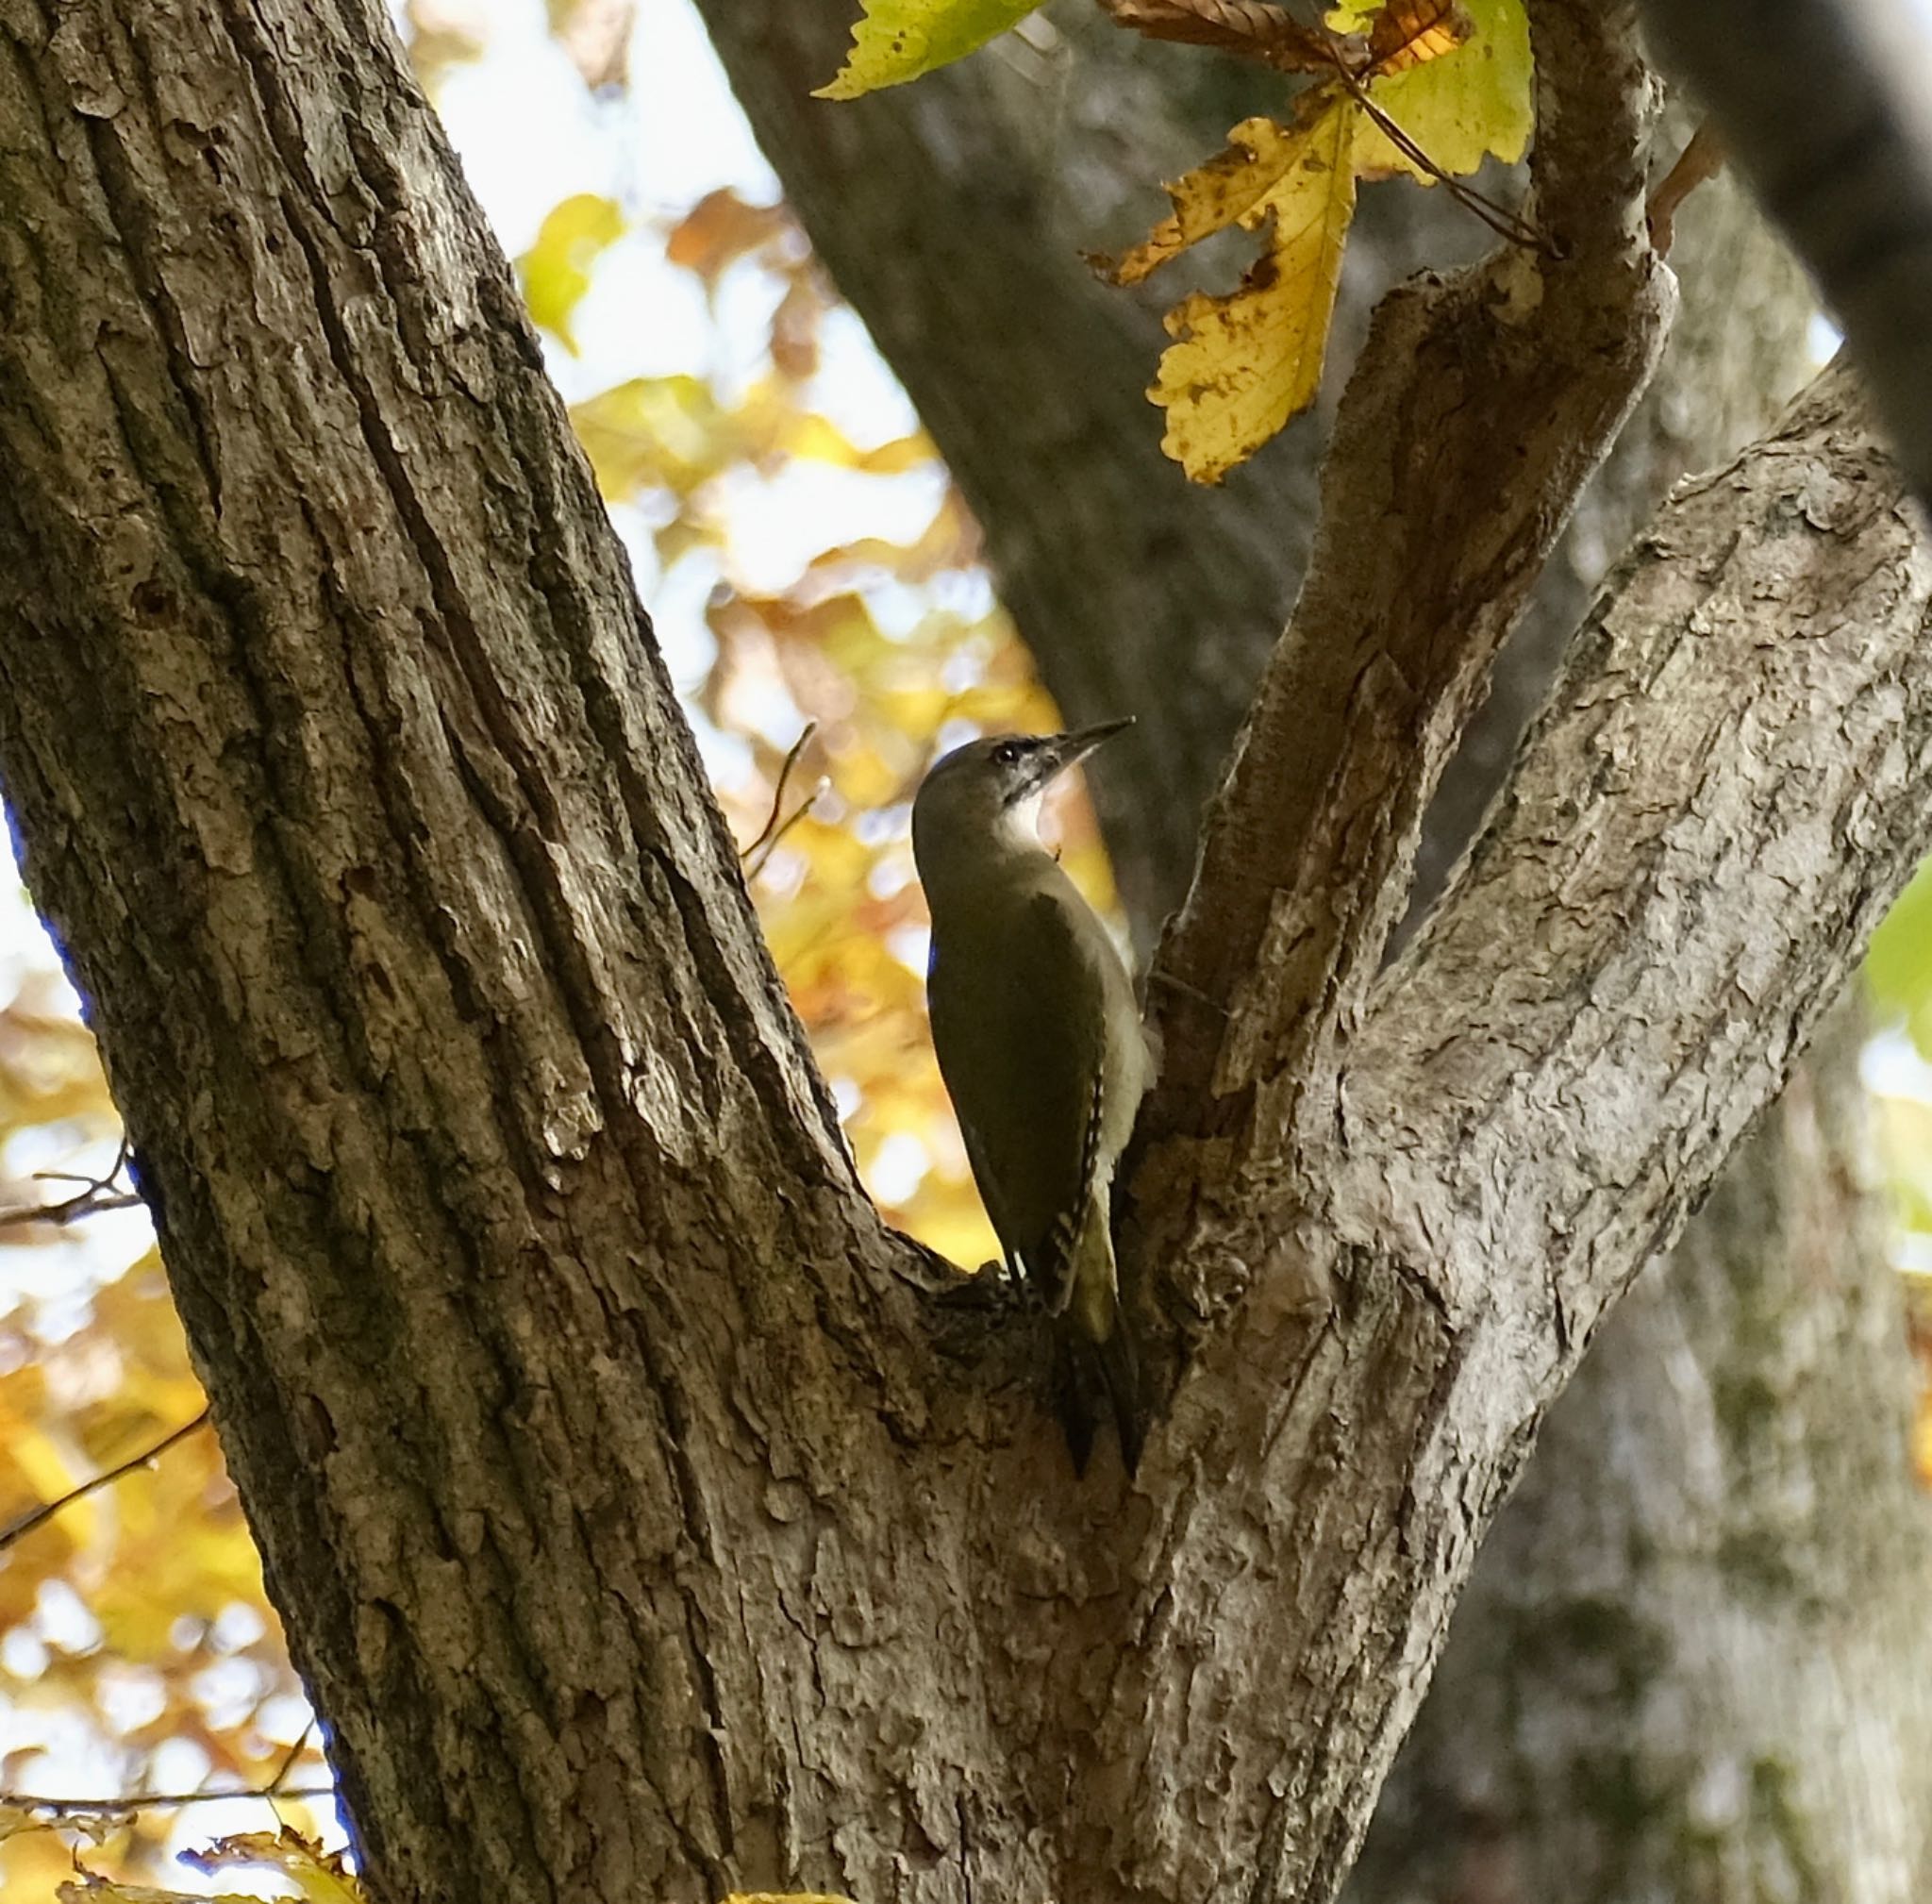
(96, 1195)
(1726, 1481)
(155, 1802)
(40, 1516)
(1729, 788)
(1475, 413)
(1828, 106)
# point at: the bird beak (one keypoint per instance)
(1068, 748)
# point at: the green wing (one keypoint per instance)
(1020, 1048)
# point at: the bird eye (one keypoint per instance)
(1009, 753)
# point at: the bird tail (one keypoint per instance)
(1096, 1372)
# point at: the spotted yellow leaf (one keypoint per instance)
(1237, 184)
(898, 40)
(319, 1876)
(1242, 365)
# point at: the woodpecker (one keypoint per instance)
(1042, 1048)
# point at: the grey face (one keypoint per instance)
(1015, 767)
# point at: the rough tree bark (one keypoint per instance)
(1053, 166)
(611, 1478)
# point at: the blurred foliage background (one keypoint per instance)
(814, 580)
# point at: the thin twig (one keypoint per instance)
(797, 813)
(97, 1194)
(769, 833)
(274, 1784)
(138, 1801)
(72, 1210)
(1500, 220)
(47, 1510)
(1174, 983)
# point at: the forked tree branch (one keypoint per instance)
(1729, 789)
(1733, 769)
(1477, 410)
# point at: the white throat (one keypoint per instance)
(1016, 830)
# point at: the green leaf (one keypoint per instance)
(1898, 968)
(898, 40)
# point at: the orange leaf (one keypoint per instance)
(1410, 33)
(720, 229)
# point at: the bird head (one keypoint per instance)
(993, 785)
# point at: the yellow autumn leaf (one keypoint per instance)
(1243, 364)
(1471, 102)
(318, 1875)
(1235, 184)
(898, 40)
(555, 272)
(36, 1469)
(652, 432)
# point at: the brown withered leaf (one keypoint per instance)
(720, 229)
(795, 328)
(1251, 28)
(595, 35)
(440, 34)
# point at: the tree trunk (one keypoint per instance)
(351, 783)
(1057, 173)
(1834, 94)
(642, 1531)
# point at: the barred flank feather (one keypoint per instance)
(1065, 1270)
